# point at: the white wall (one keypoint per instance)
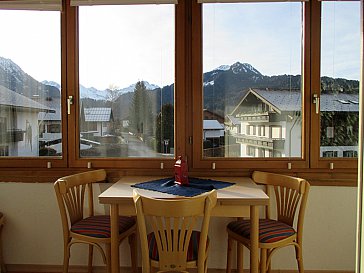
(33, 234)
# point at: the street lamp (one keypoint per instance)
(166, 142)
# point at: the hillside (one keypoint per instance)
(223, 87)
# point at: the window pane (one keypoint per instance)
(30, 77)
(340, 70)
(252, 60)
(126, 81)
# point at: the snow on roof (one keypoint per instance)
(212, 124)
(13, 99)
(291, 101)
(97, 114)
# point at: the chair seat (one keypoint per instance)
(270, 231)
(98, 226)
(192, 252)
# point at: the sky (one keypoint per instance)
(121, 45)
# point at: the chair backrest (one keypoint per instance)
(290, 194)
(165, 217)
(70, 191)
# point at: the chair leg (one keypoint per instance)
(66, 257)
(90, 257)
(263, 260)
(229, 252)
(108, 257)
(133, 252)
(269, 267)
(299, 258)
(2, 264)
(240, 257)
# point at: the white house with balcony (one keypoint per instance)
(268, 123)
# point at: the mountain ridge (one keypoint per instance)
(223, 86)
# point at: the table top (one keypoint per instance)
(244, 192)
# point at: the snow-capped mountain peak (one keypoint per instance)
(52, 83)
(244, 67)
(11, 68)
(223, 67)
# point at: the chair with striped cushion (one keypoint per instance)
(178, 239)
(81, 225)
(274, 233)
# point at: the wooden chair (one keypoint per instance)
(88, 228)
(291, 197)
(2, 264)
(174, 243)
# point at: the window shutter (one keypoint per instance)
(49, 5)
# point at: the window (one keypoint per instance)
(251, 75)
(340, 70)
(30, 79)
(126, 81)
(336, 107)
(129, 85)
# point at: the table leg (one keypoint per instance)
(254, 239)
(114, 215)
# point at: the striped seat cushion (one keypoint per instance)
(270, 231)
(192, 252)
(99, 226)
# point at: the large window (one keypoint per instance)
(233, 86)
(30, 80)
(340, 73)
(126, 81)
(252, 74)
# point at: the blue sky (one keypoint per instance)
(268, 36)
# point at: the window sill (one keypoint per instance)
(316, 177)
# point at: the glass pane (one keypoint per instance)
(30, 77)
(340, 72)
(252, 79)
(126, 81)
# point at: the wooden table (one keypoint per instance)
(240, 200)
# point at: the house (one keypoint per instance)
(19, 133)
(97, 120)
(270, 123)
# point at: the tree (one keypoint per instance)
(165, 128)
(140, 111)
(112, 93)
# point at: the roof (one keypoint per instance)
(13, 99)
(212, 124)
(232, 119)
(284, 100)
(97, 114)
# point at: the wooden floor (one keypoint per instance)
(100, 269)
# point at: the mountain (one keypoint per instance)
(14, 78)
(223, 87)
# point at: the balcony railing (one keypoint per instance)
(264, 142)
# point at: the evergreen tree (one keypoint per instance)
(165, 128)
(140, 111)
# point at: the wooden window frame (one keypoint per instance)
(188, 110)
(318, 162)
(238, 164)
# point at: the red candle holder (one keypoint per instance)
(181, 171)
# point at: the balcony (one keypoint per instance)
(254, 117)
(13, 135)
(263, 142)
